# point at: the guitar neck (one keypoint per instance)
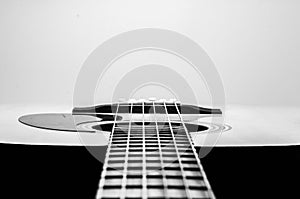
(152, 159)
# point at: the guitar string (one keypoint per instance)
(124, 178)
(178, 156)
(163, 172)
(102, 179)
(144, 191)
(212, 196)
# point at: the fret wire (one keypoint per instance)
(124, 178)
(144, 191)
(102, 180)
(212, 196)
(178, 156)
(160, 156)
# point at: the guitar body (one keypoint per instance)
(150, 151)
(77, 173)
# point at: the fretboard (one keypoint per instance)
(152, 158)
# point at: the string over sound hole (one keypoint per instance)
(162, 126)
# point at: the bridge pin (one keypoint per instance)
(132, 100)
(122, 100)
(178, 102)
(152, 99)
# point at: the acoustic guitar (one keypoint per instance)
(151, 144)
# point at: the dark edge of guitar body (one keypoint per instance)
(137, 108)
(63, 172)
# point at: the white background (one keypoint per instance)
(255, 44)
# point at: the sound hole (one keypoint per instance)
(150, 126)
